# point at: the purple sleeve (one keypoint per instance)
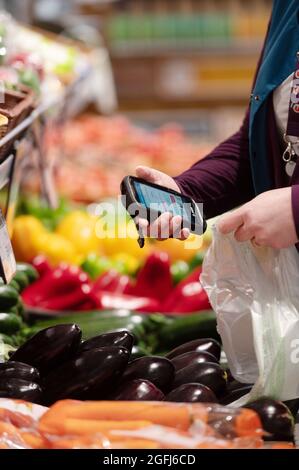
(222, 180)
(295, 206)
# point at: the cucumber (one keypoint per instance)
(14, 285)
(187, 328)
(28, 270)
(10, 323)
(4, 339)
(9, 297)
(22, 280)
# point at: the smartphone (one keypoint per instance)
(148, 200)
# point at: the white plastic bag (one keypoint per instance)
(255, 293)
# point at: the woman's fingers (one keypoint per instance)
(164, 227)
(230, 222)
(161, 227)
(243, 234)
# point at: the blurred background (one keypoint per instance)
(188, 61)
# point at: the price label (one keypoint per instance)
(8, 264)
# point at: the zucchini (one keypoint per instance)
(10, 323)
(96, 322)
(9, 297)
(28, 270)
(187, 328)
(22, 280)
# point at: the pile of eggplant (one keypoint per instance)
(56, 364)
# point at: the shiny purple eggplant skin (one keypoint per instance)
(158, 370)
(138, 390)
(209, 345)
(276, 418)
(19, 370)
(50, 347)
(192, 357)
(122, 339)
(205, 373)
(89, 376)
(235, 394)
(192, 393)
(21, 390)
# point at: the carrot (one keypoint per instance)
(135, 444)
(172, 415)
(17, 419)
(81, 427)
(34, 440)
(79, 443)
(248, 423)
(10, 433)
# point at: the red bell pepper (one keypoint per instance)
(42, 265)
(107, 301)
(188, 296)
(55, 283)
(154, 280)
(71, 300)
(112, 281)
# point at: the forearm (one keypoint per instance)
(222, 180)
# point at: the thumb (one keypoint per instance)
(149, 174)
(230, 222)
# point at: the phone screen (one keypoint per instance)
(163, 201)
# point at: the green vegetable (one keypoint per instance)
(95, 265)
(179, 270)
(9, 297)
(28, 270)
(22, 280)
(15, 285)
(96, 322)
(186, 328)
(10, 323)
(197, 260)
(4, 340)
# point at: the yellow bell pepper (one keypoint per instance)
(30, 238)
(25, 233)
(79, 228)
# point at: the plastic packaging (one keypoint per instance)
(254, 291)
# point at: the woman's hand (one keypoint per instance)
(267, 220)
(166, 225)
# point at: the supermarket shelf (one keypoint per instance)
(144, 49)
(45, 106)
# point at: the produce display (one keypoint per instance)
(102, 150)
(55, 367)
(71, 424)
(36, 60)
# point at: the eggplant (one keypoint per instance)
(205, 373)
(49, 347)
(89, 376)
(192, 357)
(19, 370)
(276, 419)
(236, 385)
(21, 390)
(123, 339)
(293, 406)
(138, 390)
(209, 345)
(235, 394)
(158, 370)
(137, 352)
(192, 393)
